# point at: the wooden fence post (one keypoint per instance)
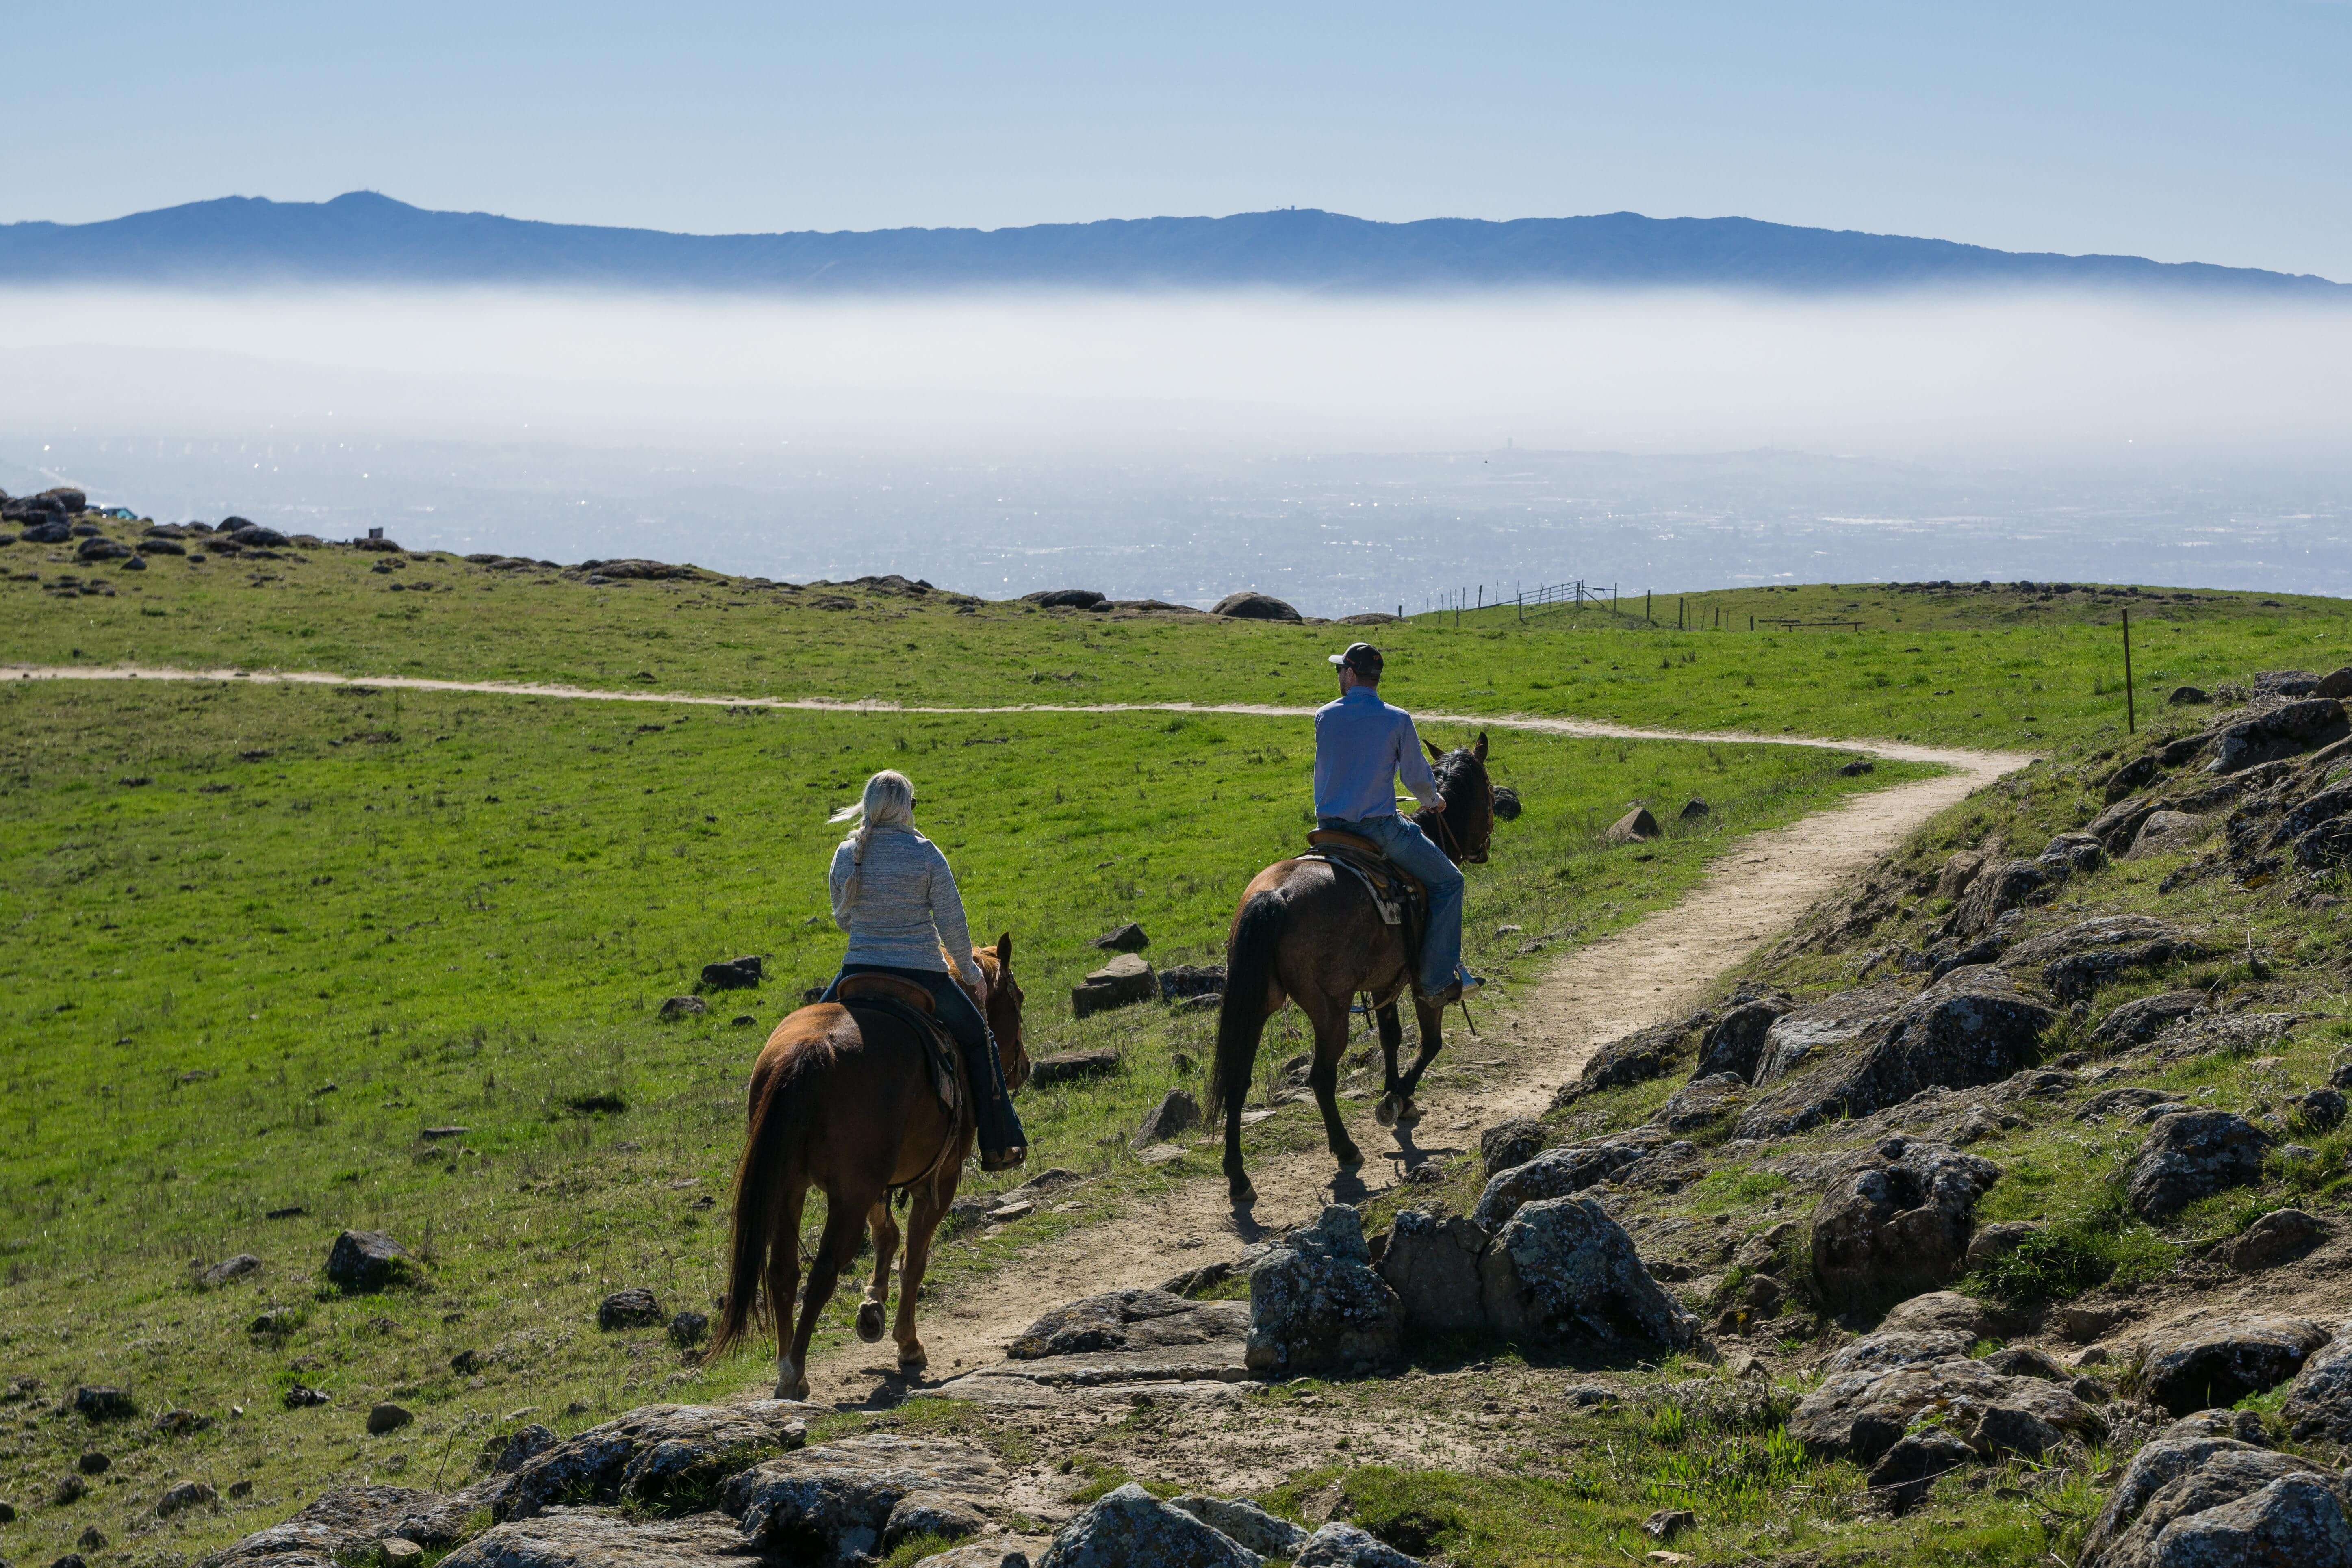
(2131, 707)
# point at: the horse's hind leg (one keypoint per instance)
(878, 1294)
(1330, 1021)
(1391, 1036)
(783, 1285)
(922, 1219)
(845, 1214)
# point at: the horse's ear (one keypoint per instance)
(1479, 751)
(1434, 754)
(1004, 954)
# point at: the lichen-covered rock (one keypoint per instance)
(833, 1503)
(1995, 891)
(1970, 1027)
(1431, 1264)
(2279, 1237)
(1639, 1057)
(2152, 1517)
(2319, 1405)
(1508, 1144)
(2282, 732)
(1905, 1472)
(1115, 1321)
(2218, 1359)
(1557, 1172)
(1317, 1305)
(2077, 960)
(654, 1453)
(602, 1538)
(1898, 1222)
(2193, 1154)
(1888, 1349)
(1245, 1522)
(2296, 1520)
(1802, 1037)
(2140, 1020)
(1702, 1101)
(1130, 1528)
(1562, 1269)
(1339, 1544)
(1864, 1413)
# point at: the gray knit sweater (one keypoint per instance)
(906, 908)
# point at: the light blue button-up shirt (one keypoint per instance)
(1362, 747)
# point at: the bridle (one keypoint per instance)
(1450, 841)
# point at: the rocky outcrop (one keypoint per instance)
(1316, 1304)
(1898, 1223)
(1121, 1321)
(1735, 1043)
(2193, 1154)
(2319, 1405)
(1997, 889)
(350, 1521)
(1244, 1522)
(2193, 1500)
(1702, 1102)
(652, 1454)
(1339, 1544)
(1562, 1269)
(2166, 833)
(834, 1503)
(1131, 1529)
(1639, 1057)
(2279, 1237)
(1970, 1027)
(1431, 1264)
(1556, 1173)
(1863, 1414)
(2142, 1018)
(1510, 1143)
(599, 1538)
(2078, 960)
(2278, 733)
(1252, 606)
(2214, 1362)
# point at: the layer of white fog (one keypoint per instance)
(1343, 454)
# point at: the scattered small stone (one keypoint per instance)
(93, 1463)
(186, 1495)
(302, 1397)
(98, 1402)
(227, 1270)
(633, 1308)
(734, 973)
(1128, 937)
(1668, 1523)
(688, 1329)
(387, 1418)
(366, 1260)
(682, 1008)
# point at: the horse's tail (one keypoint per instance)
(1249, 973)
(778, 1114)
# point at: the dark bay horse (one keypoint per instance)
(846, 1104)
(1309, 932)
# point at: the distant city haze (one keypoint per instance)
(1345, 453)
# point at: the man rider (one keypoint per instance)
(1361, 747)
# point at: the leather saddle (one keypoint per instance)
(1398, 894)
(912, 1005)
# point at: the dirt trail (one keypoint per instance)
(1657, 968)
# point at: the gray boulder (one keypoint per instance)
(2319, 1405)
(1131, 1529)
(2139, 1021)
(1342, 1545)
(2279, 1237)
(2165, 832)
(2193, 1154)
(1246, 1523)
(633, 1308)
(1864, 1413)
(1250, 607)
(2298, 1519)
(2282, 732)
(2157, 1514)
(1431, 1264)
(1897, 1223)
(1556, 1173)
(1636, 826)
(1735, 1043)
(654, 1453)
(1905, 1472)
(2077, 960)
(1639, 1057)
(1970, 1027)
(994, 1553)
(365, 1260)
(243, 1265)
(1115, 1321)
(833, 1503)
(1509, 1143)
(1562, 1269)
(598, 1538)
(1996, 890)
(1176, 1114)
(347, 1522)
(2214, 1362)
(1701, 1102)
(1888, 1348)
(1317, 1305)
(1122, 982)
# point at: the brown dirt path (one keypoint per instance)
(1662, 967)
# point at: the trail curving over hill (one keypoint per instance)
(1660, 967)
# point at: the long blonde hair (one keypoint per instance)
(889, 801)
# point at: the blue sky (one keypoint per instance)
(2215, 132)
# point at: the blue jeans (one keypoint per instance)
(1440, 944)
(1000, 1124)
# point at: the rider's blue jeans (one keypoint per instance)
(1000, 1124)
(1441, 946)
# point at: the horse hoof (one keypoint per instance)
(1350, 1158)
(913, 1358)
(1385, 1113)
(1241, 1192)
(796, 1389)
(869, 1321)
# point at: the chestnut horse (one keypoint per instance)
(845, 1102)
(1309, 932)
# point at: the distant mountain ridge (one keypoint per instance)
(365, 238)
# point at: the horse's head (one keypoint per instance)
(1002, 1002)
(1472, 802)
